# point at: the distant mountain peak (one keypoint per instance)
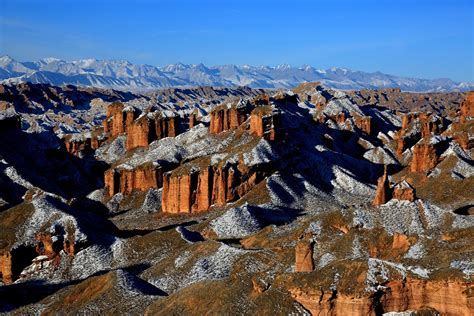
(51, 60)
(124, 75)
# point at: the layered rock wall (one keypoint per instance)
(138, 133)
(467, 107)
(186, 191)
(364, 123)
(443, 297)
(224, 118)
(126, 181)
(425, 157)
(264, 121)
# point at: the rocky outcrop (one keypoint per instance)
(193, 121)
(194, 189)
(138, 133)
(400, 242)
(69, 244)
(167, 125)
(145, 128)
(431, 124)
(467, 108)
(304, 256)
(425, 156)
(364, 123)
(404, 191)
(320, 302)
(383, 193)
(264, 121)
(6, 267)
(227, 117)
(416, 126)
(76, 144)
(444, 297)
(126, 181)
(119, 118)
(44, 246)
(464, 139)
(178, 192)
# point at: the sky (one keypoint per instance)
(416, 38)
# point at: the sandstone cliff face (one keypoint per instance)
(464, 140)
(166, 126)
(304, 256)
(445, 297)
(329, 303)
(364, 123)
(126, 181)
(264, 121)
(404, 191)
(6, 267)
(416, 126)
(383, 193)
(138, 133)
(190, 190)
(75, 145)
(467, 107)
(193, 121)
(425, 157)
(117, 119)
(224, 118)
(143, 129)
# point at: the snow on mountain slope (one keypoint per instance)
(123, 75)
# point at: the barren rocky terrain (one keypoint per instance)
(236, 201)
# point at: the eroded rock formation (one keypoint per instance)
(146, 127)
(416, 126)
(404, 191)
(138, 134)
(118, 118)
(264, 121)
(467, 108)
(44, 246)
(425, 156)
(443, 297)
(383, 193)
(228, 116)
(364, 123)
(189, 189)
(127, 180)
(6, 267)
(75, 145)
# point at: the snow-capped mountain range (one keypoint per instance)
(123, 75)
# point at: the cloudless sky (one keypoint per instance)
(419, 38)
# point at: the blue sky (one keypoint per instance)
(419, 38)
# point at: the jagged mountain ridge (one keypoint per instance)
(123, 75)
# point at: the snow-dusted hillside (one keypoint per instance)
(123, 75)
